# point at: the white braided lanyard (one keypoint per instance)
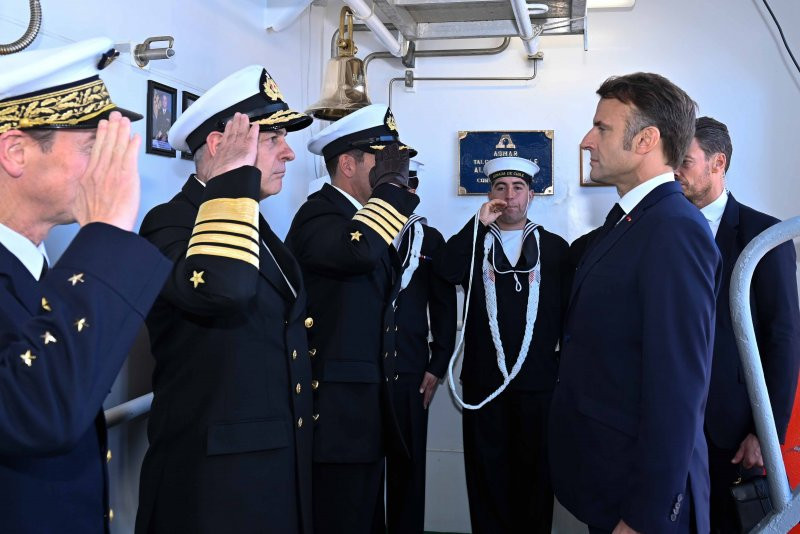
(489, 275)
(412, 254)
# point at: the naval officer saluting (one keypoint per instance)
(342, 237)
(230, 427)
(66, 155)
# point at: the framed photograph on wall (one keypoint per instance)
(475, 148)
(187, 99)
(585, 169)
(161, 112)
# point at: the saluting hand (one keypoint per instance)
(109, 191)
(491, 210)
(238, 146)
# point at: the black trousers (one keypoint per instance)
(405, 477)
(505, 459)
(348, 498)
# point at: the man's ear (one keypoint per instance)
(718, 162)
(646, 140)
(212, 142)
(14, 146)
(346, 166)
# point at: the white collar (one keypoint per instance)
(630, 199)
(713, 212)
(31, 256)
(349, 197)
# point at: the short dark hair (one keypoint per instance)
(332, 164)
(713, 138)
(658, 102)
(43, 137)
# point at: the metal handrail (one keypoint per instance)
(129, 410)
(785, 503)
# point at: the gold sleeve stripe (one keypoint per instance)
(379, 221)
(244, 210)
(225, 239)
(377, 211)
(391, 209)
(375, 226)
(225, 252)
(226, 227)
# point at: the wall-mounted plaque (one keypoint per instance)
(475, 148)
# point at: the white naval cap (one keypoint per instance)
(251, 91)
(510, 166)
(57, 87)
(370, 129)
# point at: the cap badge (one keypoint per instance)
(271, 88)
(391, 123)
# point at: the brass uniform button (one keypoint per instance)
(396, 376)
(309, 322)
(315, 416)
(300, 423)
(314, 384)
(110, 515)
(385, 354)
(298, 388)
(395, 328)
(108, 455)
(312, 352)
(294, 354)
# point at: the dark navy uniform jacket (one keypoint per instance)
(63, 341)
(479, 369)
(773, 302)
(352, 273)
(231, 423)
(427, 294)
(626, 421)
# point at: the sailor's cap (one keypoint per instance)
(370, 129)
(510, 166)
(251, 91)
(57, 87)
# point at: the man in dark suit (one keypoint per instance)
(734, 451)
(426, 305)
(627, 448)
(65, 330)
(230, 427)
(516, 305)
(342, 237)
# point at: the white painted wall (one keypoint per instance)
(727, 55)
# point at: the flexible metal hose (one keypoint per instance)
(30, 34)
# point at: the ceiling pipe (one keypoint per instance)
(368, 16)
(527, 32)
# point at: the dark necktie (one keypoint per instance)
(612, 219)
(44, 269)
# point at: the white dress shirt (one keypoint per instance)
(630, 199)
(349, 197)
(713, 212)
(31, 256)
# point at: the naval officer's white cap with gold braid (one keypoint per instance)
(251, 91)
(57, 87)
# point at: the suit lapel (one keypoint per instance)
(727, 233)
(268, 267)
(21, 284)
(598, 250)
